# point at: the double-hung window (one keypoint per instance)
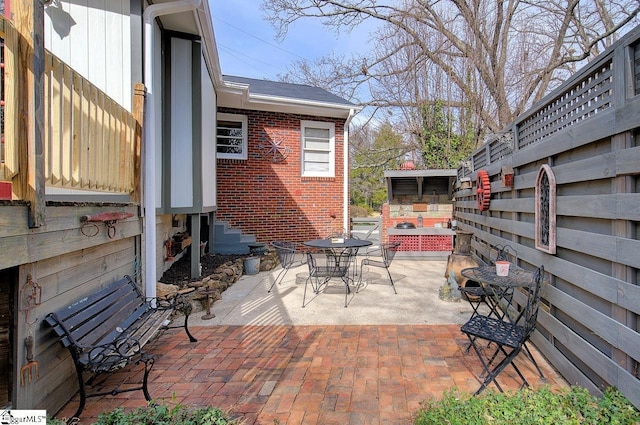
(318, 149)
(231, 141)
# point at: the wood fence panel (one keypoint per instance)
(587, 132)
(77, 151)
(93, 124)
(11, 165)
(598, 323)
(616, 206)
(66, 142)
(589, 355)
(556, 357)
(53, 160)
(85, 134)
(99, 141)
(77, 140)
(628, 161)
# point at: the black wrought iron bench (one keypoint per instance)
(107, 331)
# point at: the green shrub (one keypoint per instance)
(570, 406)
(159, 414)
(542, 406)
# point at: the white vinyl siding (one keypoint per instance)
(231, 140)
(318, 149)
(181, 158)
(94, 38)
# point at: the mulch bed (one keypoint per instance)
(179, 272)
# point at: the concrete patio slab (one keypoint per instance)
(417, 282)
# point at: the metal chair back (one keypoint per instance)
(530, 315)
(389, 250)
(322, 264)
(506, 253)
(286, 253)
(326, 265)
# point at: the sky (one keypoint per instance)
(247, 46)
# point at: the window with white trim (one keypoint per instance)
(318, 148)
(231, 138)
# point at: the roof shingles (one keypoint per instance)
(288, 90)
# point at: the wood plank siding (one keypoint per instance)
(67, 263)
(62, 130)
(588, 132)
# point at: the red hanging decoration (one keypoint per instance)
(483, 190)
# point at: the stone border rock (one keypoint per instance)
(222, 278)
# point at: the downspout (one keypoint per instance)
(345, 195)
(149, 15)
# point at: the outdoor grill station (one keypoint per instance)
(419, 211)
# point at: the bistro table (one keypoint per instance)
(339, 245)
(517, 277)
(499, 288)
(341, 251)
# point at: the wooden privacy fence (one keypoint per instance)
(90, 141)
(573, 206)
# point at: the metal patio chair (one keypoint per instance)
(504, 253)
(507, 336)
(386, 253)
(286, 252)
(323, 266)
(346, 235)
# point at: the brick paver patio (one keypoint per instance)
(325, 375)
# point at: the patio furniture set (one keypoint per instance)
(335, 257)
(501, 333)
(108, 330)
(497, 334)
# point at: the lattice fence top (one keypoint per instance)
(591, 93)
(589, 96)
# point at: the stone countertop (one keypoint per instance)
(421, 231)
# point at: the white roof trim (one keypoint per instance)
(281, 100)
(237, 95)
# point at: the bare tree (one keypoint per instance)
(373, 149)
(495, 58)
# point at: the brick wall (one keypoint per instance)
(272, 200)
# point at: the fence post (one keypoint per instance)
(139, 91)
(29, 85)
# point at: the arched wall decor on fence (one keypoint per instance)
(546, 210)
